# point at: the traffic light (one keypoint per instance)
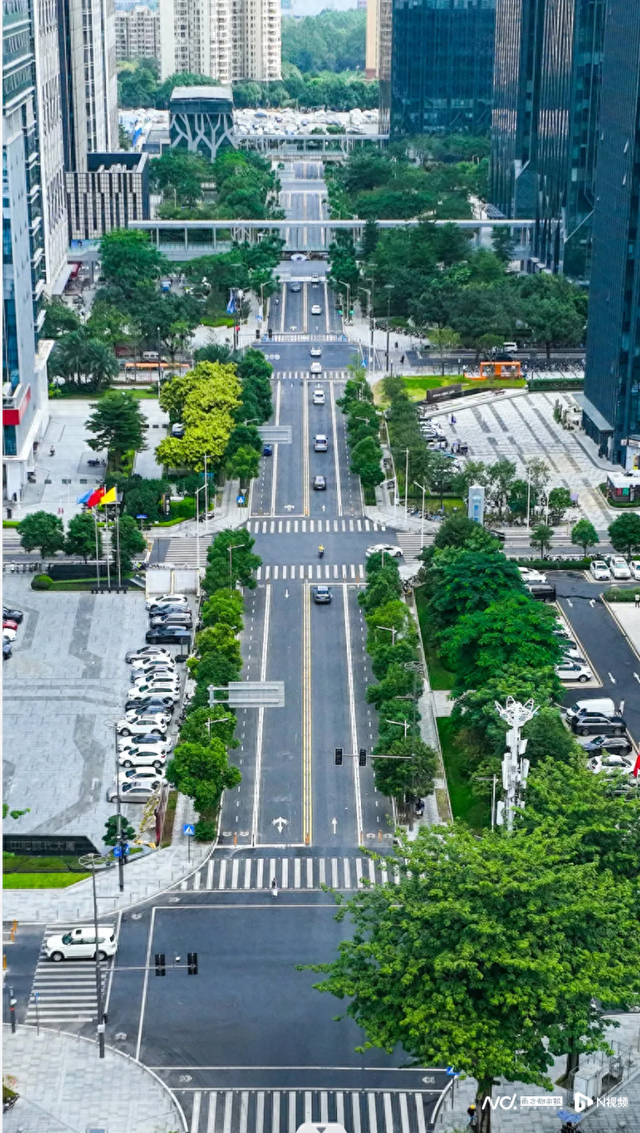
(362, 757)
(351, 312)
(192, 963)
(338, 757)
(160, 964)
(270, 333)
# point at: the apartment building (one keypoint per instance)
(228, 40)
(49, 114)
(137, 34)
(89, 89)
(110, 193)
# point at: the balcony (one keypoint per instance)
(15, 403)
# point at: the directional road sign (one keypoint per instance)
(189, 829)
(276, 434)
(250, 694)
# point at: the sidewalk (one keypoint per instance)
(528, 1120)
(65, 1087)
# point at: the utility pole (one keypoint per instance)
(91, 860)
(514, 769)
(388, 288)
(119, 840)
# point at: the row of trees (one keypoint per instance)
(200, 766)
(44, 532)
(363, 429)
(331, 41)
(497, 952)
(242, 182)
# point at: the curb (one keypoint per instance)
(609, 606)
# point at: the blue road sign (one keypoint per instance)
(118, 851)
(240, 500)
(189, 829)
(452, 1073)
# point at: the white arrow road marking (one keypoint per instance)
(289, 507)
(612, 679)
(286, 593)
(334, 823)
(637, 678)
(280, 823)
(592, 602)
(569, 603)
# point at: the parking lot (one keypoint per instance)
(64, 688)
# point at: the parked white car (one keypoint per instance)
(571, 671)
(611, 764)
(600, 570)
(634, 567)
(140, 664)
(529, 575)
(180, 600)
(143, 757)
(164, 688)
(133, 727)
(619, 567)
(80, 944)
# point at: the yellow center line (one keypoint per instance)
(307, 807)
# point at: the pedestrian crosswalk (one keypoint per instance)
(320, 572)
(250, 872)
(412, 542)
(284, 1111)
(184, 552)
(318, 526)
(64, 992)
(326, 375)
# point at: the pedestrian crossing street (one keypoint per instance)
(321, 572)
(317, 526)
(306, 375)
(244, 872)
(284, 1111)
(66, 991)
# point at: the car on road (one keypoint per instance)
(80, 944)
(615, 745)
(178, 430)
(12, 615)
(390, 549)
(569, 670)
(322, 595)
(318, 397)
(156, 725)
(597, 724)
(320, 443)
(177, 635)
(296, 287)
(499, 535)
(316, 367)
(619, 567)
(634, 567)
(529, 575)
(316, 309)
(267, 450)
(142, 757)
(131, 792)
(138, 658)
(168, 600)
(315, 279)
(600, 570)
(611, 764)
(542, 591)
(316, 352)
(319, 483)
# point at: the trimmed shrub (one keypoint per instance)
(41, 582)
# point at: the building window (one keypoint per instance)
(10, 445)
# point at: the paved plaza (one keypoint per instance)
(521, 428)
(64, 688)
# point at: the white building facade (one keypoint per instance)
(228, 40)
(49, 111)
(137, 34)
(87, 37)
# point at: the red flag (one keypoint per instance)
(95, 497)
(636, 770)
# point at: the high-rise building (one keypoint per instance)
(441, 65)
(546, 95)
(24, 357)
(228, 40)
(611, 400)
(49, 113)
(372, 40)
(137, 34)
(89, 89)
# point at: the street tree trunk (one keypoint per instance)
(484, 1111)
(573, 1061)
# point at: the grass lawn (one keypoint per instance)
(439, 676)
(464, 803)
(41, 880)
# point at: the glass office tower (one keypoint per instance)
(441, 66)
(612, 375)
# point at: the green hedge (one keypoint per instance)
(616, 594)
(553, 564)
(554, 383)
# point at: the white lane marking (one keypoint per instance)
(336, 455)
(260, 730)
(352, 716)
(274, 470)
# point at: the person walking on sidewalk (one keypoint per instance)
(636, 601)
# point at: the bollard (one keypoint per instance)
(235, 838)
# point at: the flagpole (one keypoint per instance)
(95, 524)
(117, 521)
(107, 545)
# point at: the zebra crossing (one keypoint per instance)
(326, 375)
(249, 872)
(284, 1111)
(183, 552)
(319, 526)
(412, 542)
(320, 572)
(64, 992)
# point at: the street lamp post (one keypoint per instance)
(197, 493)
(390, 629)
(206, 495)
(231, 550)
(406, 485)
(348, 287)
(401, 724)
(388, 288)
(90, 861)
(423, 490)
(119, 840)
(367, 291)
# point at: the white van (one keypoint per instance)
(603, 704)
(150, 356)
(80, 944)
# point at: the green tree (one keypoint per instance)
(468, 962)
(81, 537)
(501, 475)
(180, 174)
(584, 534)
(512, 631)
(224, 607)
(203, 723)
(460, 531)
(221, 640)
(108, 325)
(444, 339)
(414, 773)
(132, 541)
(559, 501)
(231, 560)
(110, 837)
(469, 583)
(541, 537)
(212, 669)
(244, 465)
(131, 264)
(479, 728)
(202, 772)
(555, 322)
(624, 534)
(521, 498)
(118, 424)
(41, 531)
(391, 622)
(59, 319)
(83, 360)
(331, 41)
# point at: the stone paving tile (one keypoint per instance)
(65, 1086)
